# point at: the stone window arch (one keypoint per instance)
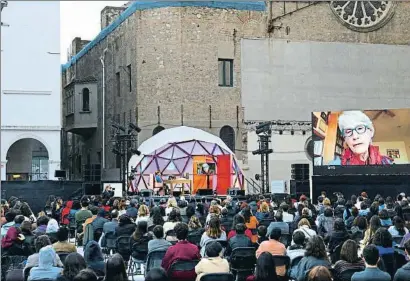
(227, 134)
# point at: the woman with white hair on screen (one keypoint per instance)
(357, 130)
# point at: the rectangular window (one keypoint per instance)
(69, 102)
(129, 77)
(99, 157)
(118, 83)
(118, 119)
(124, 119)
(117, 161)
(225, 72)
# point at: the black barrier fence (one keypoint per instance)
(36, 193)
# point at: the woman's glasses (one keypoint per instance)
(361, 129)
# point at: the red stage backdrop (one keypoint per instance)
(224, 174)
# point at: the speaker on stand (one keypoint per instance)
(300, 180)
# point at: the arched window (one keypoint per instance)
(86, 99)
(157, 129)
(227, 134)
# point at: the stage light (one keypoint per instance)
(134, 127)
(303, 132)
(264, 127)
(116, 151)
(292, 132)
(135, 151)
(257, 177)
(280, 132)
(118, 127)
(256, 152)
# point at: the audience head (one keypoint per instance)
(247, 214)
(360, 222)
(339, 225)
(41, 241)
(93, 252)
(156, 274)
(143, 211)
(158, 231)
(375, 223)
(328, 212)
(319, 273)
(214, 228)
(315, 247)
(62, 234)
(355, 212)
(115, 269)
(326, 202)
(114, 214)
(383, 238)
(213, 249)
(371, 255)
(348, 252)
(194, 223)
(73, 264)
(86, 275)
(275, 234)
(240, 228)
(384, 215)
(84, 203)
(43, 220)
(174, 216)
(399, 225)
(265, 265)
(19, 219)
(26, 227)
(124, 219)
(303, 222)
(407, 247)
(262, 230)
(299, 238)
(172, 202)
(181, 231)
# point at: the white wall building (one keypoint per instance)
(30, 90)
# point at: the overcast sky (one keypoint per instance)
(81, 19)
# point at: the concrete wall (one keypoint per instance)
(30, 77)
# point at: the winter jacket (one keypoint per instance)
(403, 273)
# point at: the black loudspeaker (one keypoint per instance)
(205, 192)
(300, 172)
(236, 191)
(60, 174)
(298, 188)
(92, 188)
(92, 172)
(146, 192)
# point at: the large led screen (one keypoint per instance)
(361, 142)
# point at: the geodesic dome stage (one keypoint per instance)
(187, 153)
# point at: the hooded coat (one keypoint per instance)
(45, 268)
(93, 257)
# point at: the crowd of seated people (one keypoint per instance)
(355, 239)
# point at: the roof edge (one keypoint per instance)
(145, 5)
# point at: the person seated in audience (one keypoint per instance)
(338, 237)
(29, 237)
(82, 215)
(240, 240)
(158, 243)
(200, 212)
(9, 216)
(403, 273)
(93, 257)
(51, 230)
(315, 255)
(45, 268)
(237, 220)
(263, 211)
(274, 247)
(100, 220)
(319, 273)
(263, 269)
(94, 212)
(156, 274)
(373, 211)
(251, 222)
(262, 234)
(73, 264)
(171, 205)
(195, 226)
(383, 241)
(283, 226)
(286, 216)
(182, 205)
(12, 243)
(297, 249)
(352, 217)
(340, 208)
(374, 225)
(143, 214)
(126, 226)
(213, 232)
(174, 218)
(226, 218)
(181, 251)
(42, 223)
(214, 212)
(372, 272)
(398, 228)
(141, 237)
(385, 220)
(212, 262)
(62, 244)
(325, 223)
(155, 217)
(359, 226)
(110, 226)
(305, 227)
(116, 269)
(86, 275)
(39, 243)
(349, 259)
(18, 220)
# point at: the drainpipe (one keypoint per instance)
(102, 58)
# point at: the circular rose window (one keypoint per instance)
(363, 16)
